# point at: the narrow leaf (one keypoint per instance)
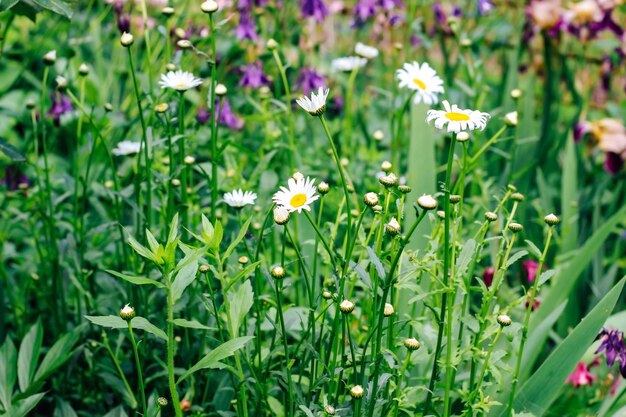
(137, 280)
(29, 355)
(240, 236)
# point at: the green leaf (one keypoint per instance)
(278, 410)
(306, 411)
(240, 303)
(214, 244)
(465, 257)
(213, 358)
(542, 388)
(152, 242)
(191, 324)
(116, 322)
(8, 359)
(380, 270)
(141, 249)
(569, 199)
(173, 230)
(243, 273)
(58, 354)
(29, 355)
(56, 6)
(533, 249)
(516, 257)
(64, 409)
(11, 151)
(26, 405)
(137, 280)
(240, 236)
(183, 279)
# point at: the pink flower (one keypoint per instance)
(531, 268)
(488, 275)
(581, 376)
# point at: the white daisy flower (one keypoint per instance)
(179, 80)
(347, 64)
(365, 51)
(126, 147)
(457, 119)
(423, 79)
(298, 196)
(316, 104)
(239, 198)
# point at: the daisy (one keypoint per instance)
(298, 196)
(423, 79)
(179, 80)
(316, 104)
(365, 51)
(458, 119)
(349, 63)
(239, 198)
(126, 147)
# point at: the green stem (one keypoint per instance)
(290, 123)
(133, 400)
(142, 391)
(170, 352)
(214, 155)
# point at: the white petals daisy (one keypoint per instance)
(457, 119)
(316, 104)
(126, 147)
(365, 51)
(298, 196)
(347, 64)
(423, 79)
(179, 80)
(239, 198)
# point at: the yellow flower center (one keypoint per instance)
(457, 117)
(298, 200)
(181, 85)
(419, 83)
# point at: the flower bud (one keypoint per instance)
(388, 180)
(162, 402)
(455, 198)
(504, 320)
(50, 57)
(517, 197)
(388, 310)
(277, 272)
(61, 83)
(209, 6)
(323, 188)
(281, 215)
(346, 306)
(297, 176)
(386, 166)
(516, 93)
(370, 199)
(511, 118)
(161, 108)
(127, 313)
(189, 160)
(515, 227)
(427, 202)
(127, 39)
(378, 135)
(185, 404)
(108, 107)
(462, 137)
(404, 189)
(490, 216)
(167, 11)
(203, 268)
(176, 182)
(170, 67)
(377, 209)
(243, 260)
(83, 70)
(271, 44)
(393, 227)
(327, 295)
(441, 214)
(551, 220)
(329, 410)
(412, 343)
(357, 392)
(30, 104)
(184, 44)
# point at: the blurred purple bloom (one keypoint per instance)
(613, 163)
(390, 4)
(612, 344)
(484, 7)
(246, 28)
(123, 22)
(607, 23)
(314, 8)
(60, 105)
(309, 80)
(203, 116)
(364, 9)
(14, 178)
(253, 76)
(226, 115)
(335, 106)
(580, 130)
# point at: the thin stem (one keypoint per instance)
(142, 391)
(214, 155)
(290, 123)
(170, 352)
(133, 400)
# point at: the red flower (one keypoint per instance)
(581, 376)
(531, 268)
(488, 275)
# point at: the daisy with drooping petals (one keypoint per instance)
(298, 196)
(423, 80)
(179, 80)
(316, 104)
(457, 119)
(126, 147)
(349, 63)
(239, 198)
(365, 51)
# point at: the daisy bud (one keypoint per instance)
(171, 67)
(504, 320)
(370, 199)
(297, 176)
(243, 260)
(511, 119)
(357, 392)
(327, 295)
(404, 189)
(466, 42)
(515, 227)
(108, 107)
(180, 33)
(281, 215)
(427, 202)
(161, 108)
(256, 226)
(462, 137)
(184, 44)
(167, 11)
(329, 410)
(209, 6)
(50, 57)
(109, 184)
(83, 70)
(278, 272)
(127, 39)
(30, 104)
(517, 197)
(385, 166)
(344, 162)
(178, 339)
(551, 220)
(189, 160)
(441, 214)
(490, 216)
(204, 269)
(355, 212)
(323, 188)
(377, 208)
(61, 83)
(127, 313)
(455, 199)
(346, 306)
(388, 180)
(162, 402)
(393, 227)
(511, 187)
(271, 44)
(176, 182)
(264, 91)
(516, 93)
(221, 90)
(388, 310)
(412, 343)
(378, 135)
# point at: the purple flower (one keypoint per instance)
(253, 76)
(246, 28)
(488, 274)
(123, 22)
(60, 105)
(613, 163)
(606, 23)
(203, 116)
(14, 178)
(364, 9)
(314, 8)
(390, 4)
(226, 115)
(484, 7)
(580, 130)
(612, 344)
(309, 80)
